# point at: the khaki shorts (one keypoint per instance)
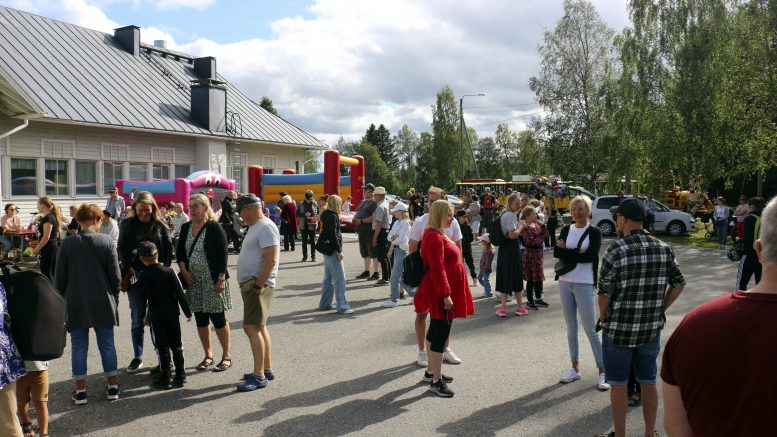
(256, 307)
(10, 425)
(34, 386)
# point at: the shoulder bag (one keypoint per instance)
(564, 266)
(184, 285)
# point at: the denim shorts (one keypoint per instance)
(619, 359)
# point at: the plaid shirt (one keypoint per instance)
(635, 272)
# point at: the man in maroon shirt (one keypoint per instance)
(718, 364)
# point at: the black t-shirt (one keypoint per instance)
(73, 226)
(51, 219)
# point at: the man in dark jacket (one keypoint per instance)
(307, 214)
(749, 264)
(227, 219)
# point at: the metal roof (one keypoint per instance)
(71, 73)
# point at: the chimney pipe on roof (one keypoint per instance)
(128, 37)
(162, 44)
(209, 104)
(205, 67)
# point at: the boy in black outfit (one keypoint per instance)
(164, 294)
(466, 245)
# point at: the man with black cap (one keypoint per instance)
(109, 227)
(639, 279)
(363, 222)
(115, 204)
(257, 269)
(307, 214)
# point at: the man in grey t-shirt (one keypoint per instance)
(257, 269)
(363, 222)
(381, 222)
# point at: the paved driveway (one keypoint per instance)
(356, 374)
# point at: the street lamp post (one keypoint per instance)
(461, 128)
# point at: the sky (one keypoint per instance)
(333, 67)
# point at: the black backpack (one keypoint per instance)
(495, 234)
(414, 268)
(38, 314)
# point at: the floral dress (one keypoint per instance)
(533, 257)
(201, 297)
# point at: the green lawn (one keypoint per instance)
(691, 239)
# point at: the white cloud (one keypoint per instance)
(356, 62)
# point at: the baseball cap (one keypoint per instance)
(108, 213)
(370, 187)
(147, 249)
(485, 237)
(461, 213)
(112, 190)
(246, 200)
(399, 207)
(308, 194)
(632, 209)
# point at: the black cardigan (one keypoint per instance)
(215, 245)
(591, 255)
(330, 230)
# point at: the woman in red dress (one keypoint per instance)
(533, 236)
(443, 292)
(289, 222)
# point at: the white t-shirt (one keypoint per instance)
(398, 236)
(261, 235)
(583, 272)
(417, 231)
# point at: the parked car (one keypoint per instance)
(455, 201)
(666, 220)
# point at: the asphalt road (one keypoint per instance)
(356, 374)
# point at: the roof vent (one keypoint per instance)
(205, 67)
(162, 44)
(128, 38)
(209, 104)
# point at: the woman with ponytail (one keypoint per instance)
(48, 236)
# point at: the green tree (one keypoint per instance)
(576, 58)
(406, 143)
(375, 170)
(489, 159)
(426, 167)
(266, 103)
(446, 140)
(311, 161)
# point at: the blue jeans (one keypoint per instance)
(580, 298)
(721, 229)
(7, 243)
(396, 273)
(485, 282)
(619, 359)
(137, 302)
(79, 347)
(333, 284)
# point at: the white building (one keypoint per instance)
(85, 108)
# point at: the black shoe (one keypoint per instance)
(532, 305)
(382, 282)
(375, 276)
(607, 434)
(163, 383)
(429, 377)
(365, 274)
(179, 380)
(440, 388)
(304, 258)
(541, 303)
(135, 365)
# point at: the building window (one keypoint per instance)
(161, 172)
(269, 162)
(55, 178)
(138, 171)
(23, 177)
(112, 172)
(57, 148)
(181, 171)
(115, 153)
(162, 154)
(86, 178)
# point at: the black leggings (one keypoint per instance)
(438, 333)
(467, 255)
(203, 319)
(533, 290)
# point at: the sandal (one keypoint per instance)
(204, 364)
(225, 364)
(27, 430)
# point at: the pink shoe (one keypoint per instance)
(521, 311)
(501, 313)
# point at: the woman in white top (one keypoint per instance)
(720, 216)
(399, 240)
(473, 215)
(576, 288)
(9, 222)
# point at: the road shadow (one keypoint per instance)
(339, 390)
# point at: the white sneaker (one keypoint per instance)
(449, 357)
(389, 304)
(570, 376)
(422, 359)
(603, 386)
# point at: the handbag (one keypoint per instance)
(125, 278)
(324, 245)
(188, 257)
(564, 266)
(413, 269)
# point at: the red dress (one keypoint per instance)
(446, 277)
(533, 258)
(289, 216)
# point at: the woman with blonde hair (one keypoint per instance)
(443, 292)
(330, 245)
(48, 236)
(202, 260)
(143, 223)
(289, 222)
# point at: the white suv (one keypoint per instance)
(666, 220)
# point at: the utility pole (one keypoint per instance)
(461, 129)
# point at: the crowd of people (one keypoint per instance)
(620, 299)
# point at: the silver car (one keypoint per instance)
(667, 220)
